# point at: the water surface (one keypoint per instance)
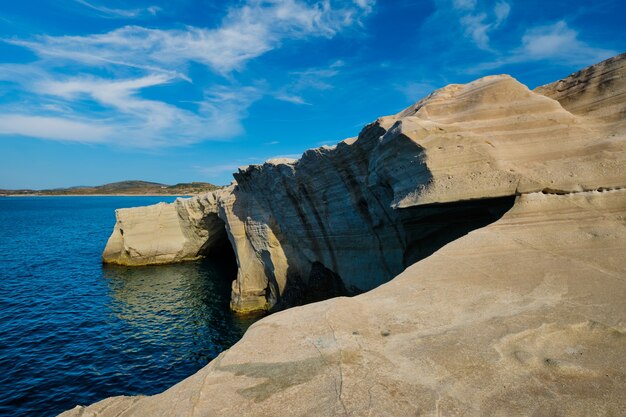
(73, 331)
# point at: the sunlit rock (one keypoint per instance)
(344, 219)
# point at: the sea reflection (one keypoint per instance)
(73, 332)
(181, 309)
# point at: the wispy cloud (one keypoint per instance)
(366, 5)
(55, 128)
(307, 80)
(246, 33)
(130, 119)
(556, 42)
(464, 4)
(476, 20)
(314, 78)
(291, 98)
(118, 13)
(144, 58)
(559, 41)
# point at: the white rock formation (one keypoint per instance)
(344, 219)
(165, 233)
(524, 316)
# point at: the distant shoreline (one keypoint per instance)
(128, 188)
(98, 195)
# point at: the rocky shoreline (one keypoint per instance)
(500, 213)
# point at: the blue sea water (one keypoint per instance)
(73, 331)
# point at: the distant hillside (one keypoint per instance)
(133, 187)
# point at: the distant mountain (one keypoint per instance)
(132, 187)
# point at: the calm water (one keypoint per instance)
(74, 332)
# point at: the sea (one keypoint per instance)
(74, 331)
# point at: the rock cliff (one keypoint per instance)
(523, 317)
(501, 211)
(344, 219)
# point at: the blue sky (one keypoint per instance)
(96, 91)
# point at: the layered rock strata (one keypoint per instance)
(344, 219)
(523, 317)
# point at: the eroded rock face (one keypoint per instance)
(525, 316)
(597, 91)
(165, 233)
(342, 220)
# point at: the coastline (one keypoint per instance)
(97, 195)
(489, 270)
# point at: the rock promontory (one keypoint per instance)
(487, 223)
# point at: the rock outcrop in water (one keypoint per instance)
(523, 316)
(342, 220)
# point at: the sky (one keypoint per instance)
(97, 91)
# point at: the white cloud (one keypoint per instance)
(117, 93)
(477, 22)
(501, 11)
(55, 108)
(561, 42)
(477, 29)
(291, 98)
(130, 119)
(161, 57)
(464, 4)
(556, 42)
(118, 13)
(366, 5)
(55, 128)
(307, 80)
(246, 33)
(313, 78)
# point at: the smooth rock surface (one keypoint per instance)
(344, 219)
(526, 316)
(494, 137)
(165, 233)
